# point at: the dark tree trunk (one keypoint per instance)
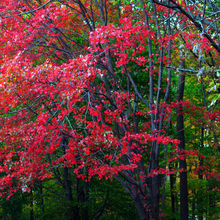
(141, 206)
(200, 200)
(173, 193)
(82, 198)
(212, 199)
(73, 212)
(139, 197)
(154, 186)
(155, 196)
(184, 213)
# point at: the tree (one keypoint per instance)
(86, 88)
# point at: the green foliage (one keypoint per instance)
(13, 208)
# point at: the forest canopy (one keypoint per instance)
(109, 109)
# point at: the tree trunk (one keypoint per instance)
(72, 211)
(200, 200)
(139, 198)
(173, 193)
(82, 198)
(212, 198)
(184, 210)
(154, 186)
(140, 204)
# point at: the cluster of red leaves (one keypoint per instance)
(44, 105)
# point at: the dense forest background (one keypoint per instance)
(109, 109)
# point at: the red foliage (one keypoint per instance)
(69, 111)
